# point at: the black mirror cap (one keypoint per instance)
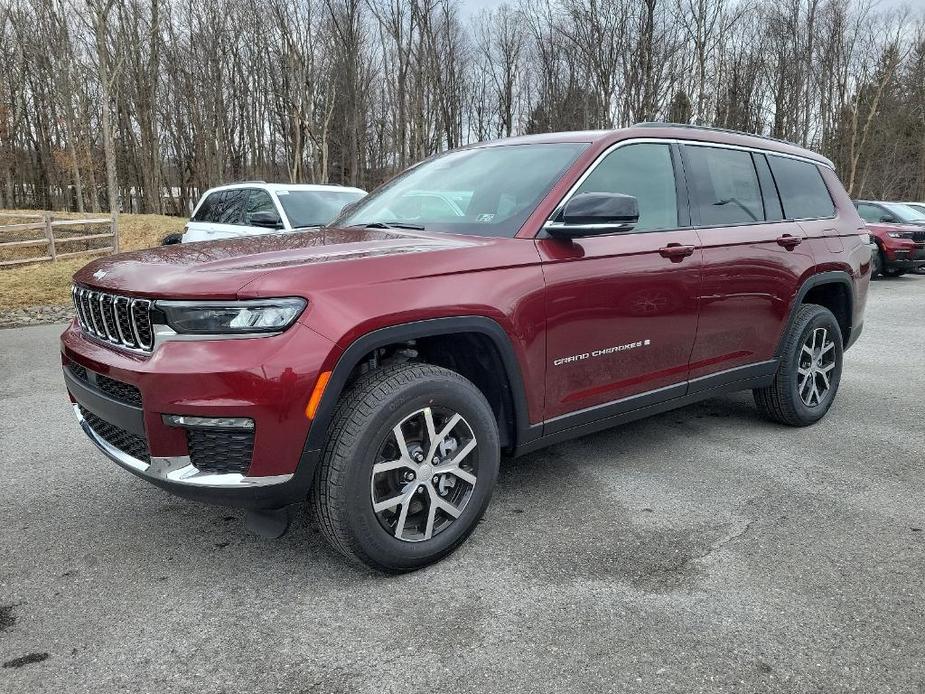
(171, 239)
(594, 214)
(267, 220)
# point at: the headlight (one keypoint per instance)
(894, 234)
(234, 317)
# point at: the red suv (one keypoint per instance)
(899, 232)
(497, 298)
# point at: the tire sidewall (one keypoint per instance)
(375, 542)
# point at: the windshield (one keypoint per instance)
(905, 213)
(486, 191)
(315, 208)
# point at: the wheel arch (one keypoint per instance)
(835, 291)
(513, 420)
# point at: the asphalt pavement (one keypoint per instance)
(701, 550)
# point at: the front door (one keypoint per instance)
(622, 308)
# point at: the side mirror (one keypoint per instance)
(267, 220)
(171, 239)
(595, 214)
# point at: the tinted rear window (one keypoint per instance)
(802, 190)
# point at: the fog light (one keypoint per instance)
(182, 420)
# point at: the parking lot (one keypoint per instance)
(702, 550)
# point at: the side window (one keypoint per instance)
(227, 207)
(206, 211)
(870, 213)
(644, 171)
(802, 190)
(724, 186)
(257, 201)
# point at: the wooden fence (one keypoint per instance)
(47, 224)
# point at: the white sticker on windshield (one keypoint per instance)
(485, 217)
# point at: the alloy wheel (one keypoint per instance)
(817, 360)
(424, 474)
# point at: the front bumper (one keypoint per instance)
(174, 469)
(267, 380)
(906, 258)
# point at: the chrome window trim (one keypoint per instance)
(176, 469)
(550, 224)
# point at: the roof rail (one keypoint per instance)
(710, 128)
(234, 183)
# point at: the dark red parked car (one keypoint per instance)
(899, 232)
(498, 298)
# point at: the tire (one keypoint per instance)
(785, 400)
(889, 271)
(363, 438)
(876, 264)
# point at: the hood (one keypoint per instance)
(220, 269)
(900, 226)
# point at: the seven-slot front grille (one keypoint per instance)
(116, 319)
(918, 235)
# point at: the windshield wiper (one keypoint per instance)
(390, 225)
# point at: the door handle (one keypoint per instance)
(676, 252)
(789, 242)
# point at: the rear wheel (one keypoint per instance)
(809, 373)
(409, 468)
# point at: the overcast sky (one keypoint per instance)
(471, 7)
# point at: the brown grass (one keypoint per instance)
(49, 283)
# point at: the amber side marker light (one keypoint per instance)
(315, 399)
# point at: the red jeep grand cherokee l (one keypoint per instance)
(501, 297)
(898, 230)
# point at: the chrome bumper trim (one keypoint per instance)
(175, 469)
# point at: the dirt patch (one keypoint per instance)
(27, 659)
(7, 618)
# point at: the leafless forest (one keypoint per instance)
(148, 102)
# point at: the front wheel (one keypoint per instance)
(876, 264)
(409, 467)
(888, 271)
(809, 372)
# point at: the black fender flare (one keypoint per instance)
(403, 332)
(830, 277)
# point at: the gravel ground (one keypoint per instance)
(35, 315)
(702, 550)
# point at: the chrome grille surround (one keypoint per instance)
(117, 320)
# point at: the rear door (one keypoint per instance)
(622, 309)
(753, 259)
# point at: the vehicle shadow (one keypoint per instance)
(172, 538)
